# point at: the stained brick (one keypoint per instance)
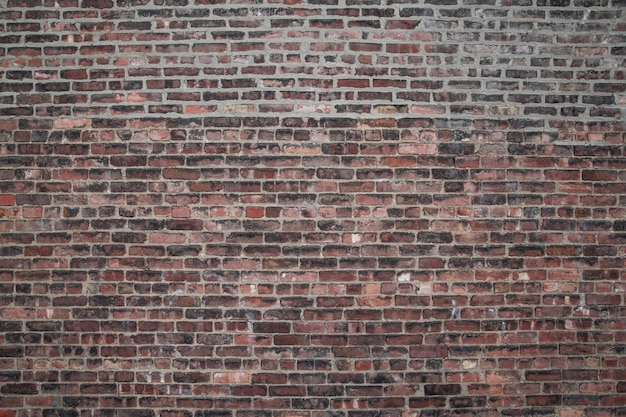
(20, 389)
(442, 389)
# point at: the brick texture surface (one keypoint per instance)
(324, 208)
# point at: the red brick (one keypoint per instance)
(364, 46)
(255, 212)
(353, 83)
(7, 200)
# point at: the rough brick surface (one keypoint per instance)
(332, 208)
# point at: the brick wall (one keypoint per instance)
(310, 209)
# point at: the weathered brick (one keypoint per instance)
(348, 208)
(20, 389)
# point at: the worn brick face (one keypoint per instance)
(296, 208)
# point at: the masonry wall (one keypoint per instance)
(310, 209)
